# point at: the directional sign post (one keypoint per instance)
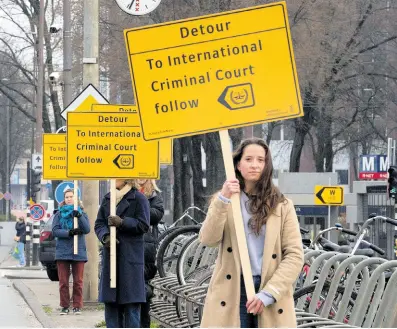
(166, 144)
(215, 72)
(109, 145)
(328, 195)
(37, 161)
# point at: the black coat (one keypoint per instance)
(20, 227)
(156, 214)
(134, 209)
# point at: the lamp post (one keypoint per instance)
(8, 159)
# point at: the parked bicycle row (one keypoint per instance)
(328, 293)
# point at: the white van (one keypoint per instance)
(48, 205)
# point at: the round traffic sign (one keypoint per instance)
(7, 196)
(37, 212)
(61, 188)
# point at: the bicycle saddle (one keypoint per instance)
(365, 252)
(329, 246)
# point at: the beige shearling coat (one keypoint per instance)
(282, 263)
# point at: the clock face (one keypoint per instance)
(138, 7)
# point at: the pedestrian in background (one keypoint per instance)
(63, 231)
(20, 238)
(149, 188)
(123, 303)
(274, 246)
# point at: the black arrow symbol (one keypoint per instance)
(38, 158)
(319, 195)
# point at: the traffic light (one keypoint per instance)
(35, 183)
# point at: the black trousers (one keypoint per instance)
(145, 307)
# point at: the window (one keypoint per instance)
(343, 176)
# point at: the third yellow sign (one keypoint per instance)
(215, 72)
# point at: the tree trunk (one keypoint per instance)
(186, 176)
(215, 169)
(198, 175)
(177, 157)
(302, 127)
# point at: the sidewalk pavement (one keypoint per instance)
(42, 296)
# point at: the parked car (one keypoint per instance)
(47, 250)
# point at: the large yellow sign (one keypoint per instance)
(54, 156)
(328, 195)
(166, 145)
(214, 72)
(109, 145)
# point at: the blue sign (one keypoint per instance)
(61, 188)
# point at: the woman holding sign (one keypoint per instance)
(149, 188)
(273, 241)
(122, 304)
(63, 231)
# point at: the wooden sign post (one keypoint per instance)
(113, 235)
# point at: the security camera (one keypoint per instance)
(55, 78)
(55, 28)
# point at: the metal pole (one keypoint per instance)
(8, 159)
(67, 54)
(90, 194)
(40, 86)
(329, 215)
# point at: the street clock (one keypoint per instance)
(138, 7)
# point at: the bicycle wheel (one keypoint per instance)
(172, 246)
(307, 292)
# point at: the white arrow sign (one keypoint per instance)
(37, 161)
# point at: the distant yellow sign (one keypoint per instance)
(214, 72)
(328, 195)
(54, 156)
(166, 145)
(83, 102)
(109, 145)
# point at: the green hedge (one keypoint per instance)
(3, 218)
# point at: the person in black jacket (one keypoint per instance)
(20, 238)
(123, 303)
(149, 188)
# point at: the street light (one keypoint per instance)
(8, 110)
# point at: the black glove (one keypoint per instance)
(115, 221)
(76, 213)
(75, 231)
(106, 241)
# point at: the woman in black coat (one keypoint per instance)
(149, 188)
(122, 304)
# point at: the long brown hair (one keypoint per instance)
(265, 196)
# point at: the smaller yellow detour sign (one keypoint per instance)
(109, 145)
(166, 144)
(54, 156)
(328, 195)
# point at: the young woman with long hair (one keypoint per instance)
(274, 246)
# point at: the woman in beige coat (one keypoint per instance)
(273, 241)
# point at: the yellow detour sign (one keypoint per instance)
(109, 145)
(54, 156)
(166, 145)
(82, 103)
(214, 72)
(328, 195)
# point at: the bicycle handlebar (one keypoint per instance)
(391, 221)
(345, 230)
